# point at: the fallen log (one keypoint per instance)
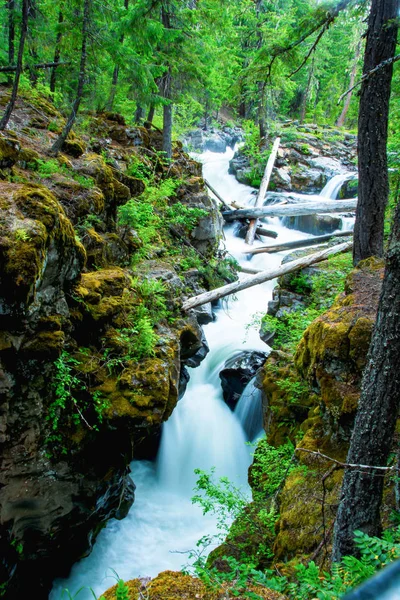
(214, 191)
(251, 232)
(298, 243)
(251, 280)
(248, 270)
(266, 232)
(291, 210)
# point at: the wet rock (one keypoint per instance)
(315, 224)
(237, 372)
(215, 140)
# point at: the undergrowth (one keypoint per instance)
(320, 290)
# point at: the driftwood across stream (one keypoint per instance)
(291, 210)
(263, 276)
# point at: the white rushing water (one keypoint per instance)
(333, 186)
(202, 432)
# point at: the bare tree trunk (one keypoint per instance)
(377, 413)
(262, 276)
(373, 182)
(57, 51)
(24, 30)
(291, 210)
(56, 147)
(251, 232)
(343, 114)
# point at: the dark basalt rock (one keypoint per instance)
(237, 372)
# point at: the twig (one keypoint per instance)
(348, 465)
(382, 65)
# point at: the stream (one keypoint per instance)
(163, 525)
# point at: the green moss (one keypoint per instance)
(74, 146)
(9, 152)
(32, 221)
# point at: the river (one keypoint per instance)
(163, 525)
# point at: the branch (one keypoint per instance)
(327, 19)
(348, 465)
(11, 69)
(382, 65)
(307, 56)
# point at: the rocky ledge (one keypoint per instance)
(307, 158)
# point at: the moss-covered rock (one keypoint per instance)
(9, 151)
(173, 585)
(38, 248)
(74, 146)
(333, 351)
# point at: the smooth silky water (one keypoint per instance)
(163, 525)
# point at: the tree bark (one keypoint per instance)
(251, 232)
(57, 52)
(10, 4)
(166, 91)
(18, 71)
(114, 81)
(167, 130)
(139, 114)
(373, 184)
(56, 147)
(150, 115)
(343, 114)
(307, 92)
(264, 276)
(291, 210)
(378, 408)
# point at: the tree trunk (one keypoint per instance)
(343, 114)
(10, 4)
(150, 114)
(306, 92)
(167, 130)
(166, 91)
(57, 52)
(291, 210)
(263, 190)
(373, 184)
(320, 239)
(114, 81)
(56, 147)
(378, 408)
(24, 30)
(139, 114)
(264, 276)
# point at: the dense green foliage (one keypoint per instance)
(241, 54)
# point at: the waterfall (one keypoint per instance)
(249, 411)
(333, 186)
(163, 524)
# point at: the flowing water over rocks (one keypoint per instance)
(163, 525)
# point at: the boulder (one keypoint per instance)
(237, 372)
